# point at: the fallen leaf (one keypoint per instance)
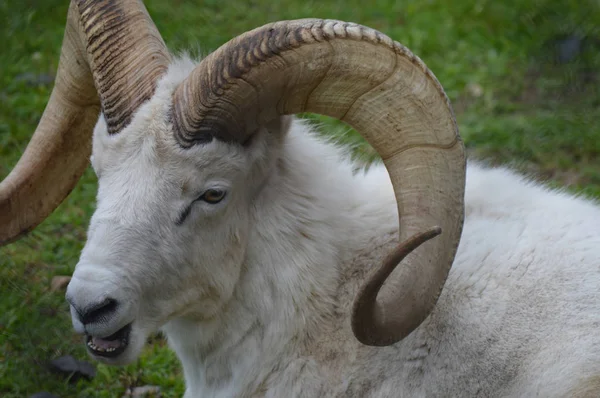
(71, 367)
(43, 394)
(143, 391)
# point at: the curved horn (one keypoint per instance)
(380, 88)
(111, 57)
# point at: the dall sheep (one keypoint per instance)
(255, 246)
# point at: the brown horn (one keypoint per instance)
(111, 57)
(379, 87)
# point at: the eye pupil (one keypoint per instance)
(213, 196)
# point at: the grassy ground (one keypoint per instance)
(524, 95)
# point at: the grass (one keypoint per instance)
(518, 99)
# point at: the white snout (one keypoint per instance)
(102, 309)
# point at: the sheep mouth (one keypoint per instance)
(110, 346)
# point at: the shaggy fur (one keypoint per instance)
(254, 293)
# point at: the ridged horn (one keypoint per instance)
(111, 58)
(358, 75)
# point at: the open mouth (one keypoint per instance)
(110, 346)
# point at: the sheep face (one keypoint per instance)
(168, 236)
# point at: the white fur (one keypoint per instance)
(254, 294)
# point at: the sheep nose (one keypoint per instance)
(99, 312)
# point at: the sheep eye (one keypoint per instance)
(213, 196)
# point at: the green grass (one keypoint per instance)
(497, 60)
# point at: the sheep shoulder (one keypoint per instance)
(517, 314)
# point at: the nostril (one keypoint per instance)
(97, 312)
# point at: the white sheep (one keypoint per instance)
(246, 238)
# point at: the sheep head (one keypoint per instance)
(223, 119)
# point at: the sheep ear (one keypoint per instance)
(276, 128)
(280, 126)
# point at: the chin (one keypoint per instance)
(120, 348)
